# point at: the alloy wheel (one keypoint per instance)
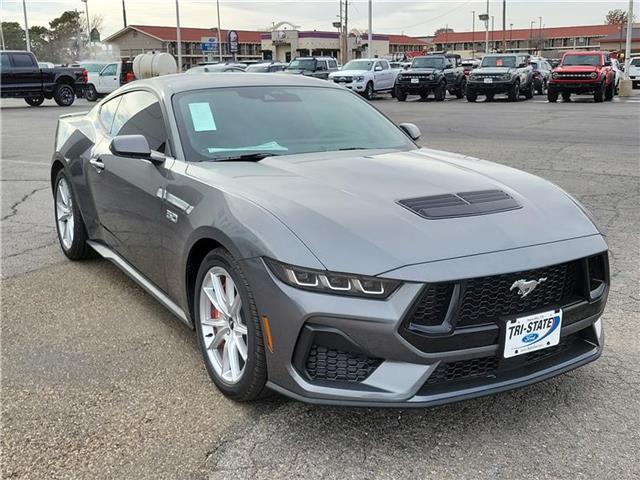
(64, 214)
(223, 330)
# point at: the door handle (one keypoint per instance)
(97, 164)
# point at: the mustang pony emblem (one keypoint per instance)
(525, 287)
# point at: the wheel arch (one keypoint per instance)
(56, 166)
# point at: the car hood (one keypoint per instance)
(422, 70)
(343, 206)
(493, 70)
(348, 72)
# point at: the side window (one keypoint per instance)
(385, 64)
(333, 64)
(109, 70)
(22, 60)
(108, 112)
(321, 65)
(5, 60)
(139, 113)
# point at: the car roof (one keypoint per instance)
(314, 58)
(181, 82)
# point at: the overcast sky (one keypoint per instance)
(411, 18)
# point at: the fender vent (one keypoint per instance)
(463, 204)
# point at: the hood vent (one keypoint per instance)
(463, 204)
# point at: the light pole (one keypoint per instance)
(26, 25)
(2, 36)
(626, 86)
(531, 36)
(178, 37)
(504, 25)
(124, 14)
(486, 23)
(370, 39)
(86, 5)
(540, 42)
(510, 36)
(473, 36)
(492, 30)
(219, 34)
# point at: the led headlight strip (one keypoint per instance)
(323, 281)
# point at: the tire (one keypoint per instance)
(489, 97)
(460, 91)
(440, 93)
(528, 93)
(400, 95)
(471, 96)
(368, 91)
(635, 85)
(609, 92)
(91, 94)
(598, 95)
(424, 96)
(35, 101)
(253, 375)
(70, 228)
(552, 95)
(514, 92)
(64, 95)
(566, 96)
(539, 88)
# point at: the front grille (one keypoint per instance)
(432, 307)
(326, 363)
(486, 299)
(490, 367)
(343, 79)
(580, 76)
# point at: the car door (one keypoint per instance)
(6, 71)
(386, 75)
(108, 80)
(126, 191)
(450, 72)
(321, 70)
(26, 74)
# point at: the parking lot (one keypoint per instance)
(100, 381)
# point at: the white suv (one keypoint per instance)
(634, 71)
(367, 76)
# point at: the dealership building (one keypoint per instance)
(548, 42)
(280, 44)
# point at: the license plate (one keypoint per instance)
(488, 80)
(415, 80)
(531, 333)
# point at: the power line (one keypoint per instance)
(440, 16)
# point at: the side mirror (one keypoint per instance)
(411, 130)
(607, 64)
(134, 146)
(522, 65)
(377, 68)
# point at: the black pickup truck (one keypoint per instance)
(21, 77)
(432, 73)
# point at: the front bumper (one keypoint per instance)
(352, 351)
(578, 87)
(355, 86)
(495, 87)
(422, 86)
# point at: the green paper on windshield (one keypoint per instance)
(202, 117)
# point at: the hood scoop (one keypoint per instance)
(463, 204)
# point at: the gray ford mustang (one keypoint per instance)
(319, 252)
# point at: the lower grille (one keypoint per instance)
(326, 363)
(489, 367)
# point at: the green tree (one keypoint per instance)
(14, 38)
(616, 17)
(443, 30)
(40, 43)
(66, 37)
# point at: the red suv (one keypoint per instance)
(583, 73)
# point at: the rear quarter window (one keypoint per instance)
(22, 60)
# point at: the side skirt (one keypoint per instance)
(140, 279)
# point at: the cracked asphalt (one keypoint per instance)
(100, 381)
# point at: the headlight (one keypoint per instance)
(555, 75)
(358, 78)
(594, 75)
(399, 77)
(323, 281)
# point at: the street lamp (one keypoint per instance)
(26, 25)
(219, 34)
(86, 4)
(178, 39)
(531, 36)
(370, 46)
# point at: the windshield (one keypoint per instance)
(635, 62)
(584, 60)
(257, 68)
(428, 62)
(358, 65)
(223, 122)
(506, 61)
(92, 67)
(309, 64)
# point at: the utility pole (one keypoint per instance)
(124, 14)
(473, 35)
(26, 25)
(219, 34)
(531, 36)
(504, 25)
(370, 47)
(492, 31)
(626, 86)
(86, 6)
(540, 42)
(2, 36)
(486, 23)
(346, 31)
(178, 37)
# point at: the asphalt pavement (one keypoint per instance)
(100, 381)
